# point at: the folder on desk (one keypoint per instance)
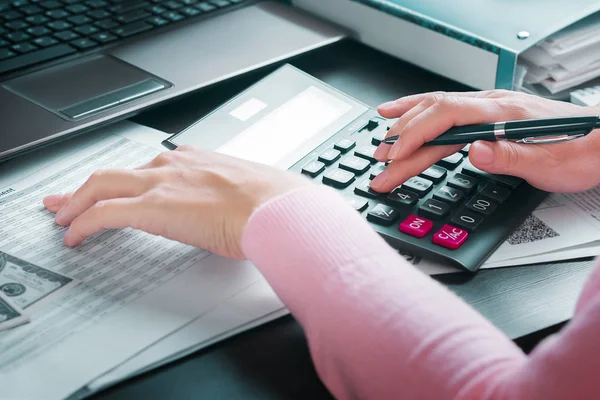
(475, 42)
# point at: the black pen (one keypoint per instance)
(533, 131)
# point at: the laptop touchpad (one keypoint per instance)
(87, 87)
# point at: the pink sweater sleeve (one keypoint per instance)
(379, 329)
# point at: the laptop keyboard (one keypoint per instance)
(35, 31)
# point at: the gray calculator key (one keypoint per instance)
(481, 205)
(497, 193)
(504, 180)
(467, 220)
(378, 135)
(354, 164)
(364, 189)
(313, 168)
(434, 173)
(418, 185)
(451, 162)
(434, 209)
(465, 150)
(366, 152)
(338, 178)
(402, 198)
(449, 195)
(383, 215)
(344, 145)
(377, 170)
(330, 156)
(357, 203)
(462, 182)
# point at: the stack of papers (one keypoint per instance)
(121, 303)
(567, 59)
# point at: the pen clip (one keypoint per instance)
(551, 139)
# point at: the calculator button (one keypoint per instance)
(338, 178)
(418, 185)
(372, 124)
(416, 226)
(467, 220)
(378, 135)
(313, 168)
(357, 203)
(344, 145)
(497, 193)
(376, 171)
(402, 198)
(354, 164)
(451, 162)
(366, 152)
(364, 189)
(434, 173)
(383, 215)
(462, 182)
(449, 195)
(330, 156)
(481, 205)
(450, 237)
(504, 180)
(435, 209)
(465, 150)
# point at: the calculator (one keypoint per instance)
(451, 213)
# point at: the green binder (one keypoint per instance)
(476, 42)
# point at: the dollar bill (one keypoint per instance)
(25, 284)
(10, 315)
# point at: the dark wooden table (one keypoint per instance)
(272, 361)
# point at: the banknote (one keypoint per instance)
(10, 315)
(24, 283)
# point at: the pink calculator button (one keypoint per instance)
(416, 226)
(450, 236)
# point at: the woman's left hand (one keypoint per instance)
(190, 195)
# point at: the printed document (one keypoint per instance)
(130, 289)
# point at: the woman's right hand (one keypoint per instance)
(559, 167)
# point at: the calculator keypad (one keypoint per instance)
(445, 205)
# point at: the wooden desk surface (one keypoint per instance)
(272, 361)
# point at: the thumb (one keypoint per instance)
(503, 157)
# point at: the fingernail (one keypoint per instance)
(380, 179)
(387, 105)
(395, 150)
(60, 216)
(481, 153)
(52, 200)
(382, 152)
(68, 238)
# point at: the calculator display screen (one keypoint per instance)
(291, 130)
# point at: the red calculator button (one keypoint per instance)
(416, 226)
(450, 236)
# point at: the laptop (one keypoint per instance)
(68, 66)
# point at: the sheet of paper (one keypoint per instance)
(570, 253)
(255, 305)
(563, 220)
(134, 288)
